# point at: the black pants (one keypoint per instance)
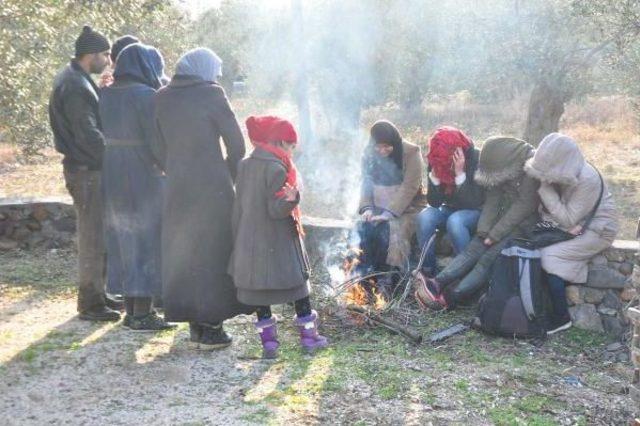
(374, 244)
(302, 307)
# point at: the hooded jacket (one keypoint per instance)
(570, 186)
(568, 192)
(512, 200)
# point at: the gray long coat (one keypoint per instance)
(191, 116)
(269, 263)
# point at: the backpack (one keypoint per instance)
(516, 303)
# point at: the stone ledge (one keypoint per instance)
(614, 280)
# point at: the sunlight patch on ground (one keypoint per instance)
(33, 324)
(160, 344)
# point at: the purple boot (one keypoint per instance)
(310, 340)
(269, 337)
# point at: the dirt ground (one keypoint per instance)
(55, 369)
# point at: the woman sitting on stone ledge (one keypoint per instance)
(510, 209)
(569, 191)
(391, 197)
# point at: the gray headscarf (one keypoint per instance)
(200, 62)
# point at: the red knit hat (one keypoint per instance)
(268, 128)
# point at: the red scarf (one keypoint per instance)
(442, 145)
(263, 131)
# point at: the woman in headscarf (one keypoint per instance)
(391, 197)
(454, 197)
(570, 190)
(192, 115)
(133, 185)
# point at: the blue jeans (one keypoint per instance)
(459, 224)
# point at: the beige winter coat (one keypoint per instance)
(404, 201)
(569, 191)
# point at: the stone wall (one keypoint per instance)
(29, 223)
(598, 305)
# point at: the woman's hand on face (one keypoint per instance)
(458, 161)
(290, 192)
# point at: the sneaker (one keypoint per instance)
(214, 337)
(150, 322)
(114, 301)
(429, 293)
(101, 313)
(559, 324)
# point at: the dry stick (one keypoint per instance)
(407, 332)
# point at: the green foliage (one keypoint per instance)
(37, 39)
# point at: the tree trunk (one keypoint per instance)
(546, 107)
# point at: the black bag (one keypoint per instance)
(516, 303)
(546, 233)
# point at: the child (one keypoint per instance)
(269, 263)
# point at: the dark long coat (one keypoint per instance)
(132, 190)
(269, 264)
(192, 115)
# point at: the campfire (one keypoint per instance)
(363, 299)
(361, 291)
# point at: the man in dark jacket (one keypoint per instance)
(74, 119)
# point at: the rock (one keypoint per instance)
(593, 295)
(605, 278)
(65, 224)
(611, 301)
(8, 244)
(628, 294)
(607, 311)
(626, 268)
(33, 225)
(599, 260)
(614, 255)
(39, 212)
(574, 296)
(615, 347)
(586, 317)
(622, 357)
(21, 234)
(613, 326)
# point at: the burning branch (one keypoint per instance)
(407, 332)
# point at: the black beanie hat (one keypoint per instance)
(120, 44)
(90, 41)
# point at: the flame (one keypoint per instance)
(356, 295)
(361, 294)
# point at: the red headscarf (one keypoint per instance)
(263, 132)
(442, 145)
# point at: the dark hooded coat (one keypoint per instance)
(132, 182)
(192, 116)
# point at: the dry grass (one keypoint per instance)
(606, 128)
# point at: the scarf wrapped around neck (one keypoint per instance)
(264, 132)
